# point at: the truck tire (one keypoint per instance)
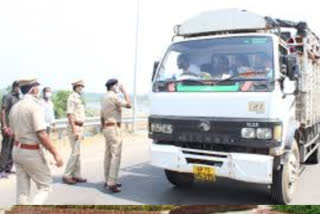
(180, 179)
(315, 157)
(285, 180)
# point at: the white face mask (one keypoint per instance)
(48, 94)
(117, 88)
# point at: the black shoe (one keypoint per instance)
(114, 189)
(10, 172)
(68, 181)
(79, 180)
(118, 185)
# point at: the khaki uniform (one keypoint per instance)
(111, 112)
(26, 118)
(75, 107)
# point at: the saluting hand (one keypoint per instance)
(121, 88)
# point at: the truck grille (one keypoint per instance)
(205, 162)
(217, 147)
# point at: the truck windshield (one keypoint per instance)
(221, 64)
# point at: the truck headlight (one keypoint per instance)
(264, 133)
(277, 133)
(161, 128)
(248, 133)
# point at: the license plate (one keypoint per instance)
(204, 174)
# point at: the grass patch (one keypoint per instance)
(298, 209)
(117, 207)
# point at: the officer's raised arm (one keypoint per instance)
(126, 96)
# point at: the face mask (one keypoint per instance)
(117, 89)
(48, 94)
(80, 92)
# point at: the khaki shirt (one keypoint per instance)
(26, 118)
(75, 107)
(111, 107)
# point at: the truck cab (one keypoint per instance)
(223, 104)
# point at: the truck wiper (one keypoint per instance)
(239, 80)
(202, 82)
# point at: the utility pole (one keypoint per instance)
(134, 112)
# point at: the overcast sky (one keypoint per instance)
(59, 41)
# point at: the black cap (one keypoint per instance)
(110, 83)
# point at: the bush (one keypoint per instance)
(60, 100)
(298, 209)
(1, 95)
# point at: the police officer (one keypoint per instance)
(48, 109)
(29, 127)
(76, 117)
(8, 101)
(111, 122)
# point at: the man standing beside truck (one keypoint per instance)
(111, 123)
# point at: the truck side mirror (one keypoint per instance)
(284, 69)
(155, 67)
(292, 68)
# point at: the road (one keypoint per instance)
(144, 184)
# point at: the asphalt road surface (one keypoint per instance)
(144, 184)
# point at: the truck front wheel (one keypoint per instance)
(285, 179)
(180, 179)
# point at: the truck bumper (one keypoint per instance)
(251, 168)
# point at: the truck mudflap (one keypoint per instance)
(251, 168)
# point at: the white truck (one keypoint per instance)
(236, 95)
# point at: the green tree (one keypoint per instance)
(60, 100)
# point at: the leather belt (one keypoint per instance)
(78, 123)
(27, 146)
(112, 124)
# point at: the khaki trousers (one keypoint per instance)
(73, 167)
(112, 154)
(31, 165)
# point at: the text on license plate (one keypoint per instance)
(202, 173)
